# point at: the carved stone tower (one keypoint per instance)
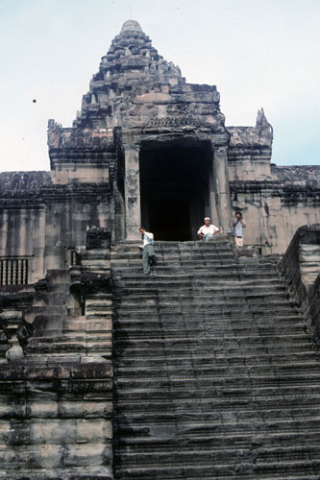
(160, 141)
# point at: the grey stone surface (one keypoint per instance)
(215, 375)
(300, 268)
(204, 369)
(141, 111)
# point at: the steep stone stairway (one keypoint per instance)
(215, 375)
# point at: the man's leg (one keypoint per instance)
(152, 257)
(207, 236)
(145, 260)
(238, 241)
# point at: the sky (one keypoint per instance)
(259, 53)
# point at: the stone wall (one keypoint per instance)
(300, 267)
(274, 210)
(314, 308)
(55, 421)
(42, 222)
(56, 371)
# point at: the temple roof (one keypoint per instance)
(136, 88)
(131, 26)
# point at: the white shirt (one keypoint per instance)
(148, 239)
(206, 230)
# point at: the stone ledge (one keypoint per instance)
(25, 371)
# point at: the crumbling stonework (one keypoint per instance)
(300, 267)
(88, 345)
(147, 142)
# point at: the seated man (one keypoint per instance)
(207, 230)
(148, 256)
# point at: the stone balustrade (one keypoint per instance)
(300, 267)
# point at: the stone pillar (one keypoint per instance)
(221, 186)
(212, 199)
(132, 192)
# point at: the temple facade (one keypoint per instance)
(207, 367)
(149, 148)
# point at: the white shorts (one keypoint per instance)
(238, 241)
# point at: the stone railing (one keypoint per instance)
(300, 267)
(14, 271)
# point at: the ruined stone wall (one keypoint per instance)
(70, 211)
(55, 420)
(41, 222)
(276, 207)
(22, 223)
(300, 268)
(314, 309)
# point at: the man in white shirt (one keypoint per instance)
(207, 230)
(148, 256)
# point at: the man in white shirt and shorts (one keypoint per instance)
(207, 230)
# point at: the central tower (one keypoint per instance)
(167, 136)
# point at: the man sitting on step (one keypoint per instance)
(208, 230)
(148, 256)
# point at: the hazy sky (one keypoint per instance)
(259, 53)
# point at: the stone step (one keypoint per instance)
(162, 245)
(197, 360)
(299, 452)
(228, 350)
(96, 253)
(189, 368)
(99, 300)
(183, 340)
(90, 347)
(196, 269)
(231, 404)
(170, 259)
(222, 316)
(221, 393)
(70, 337)
(65, 348)
(215, 471)
(206, 301)
(193, 381)
(203, 295)
(233, 287)
(214, 311)
(58, 276)
(99, 316)
(50, 299)
(155, 330)
(61, 288)
(179, 279)
(71, 324)
(48, 325)
(73, 472)
(93, 264)
(220, 418)
(215, 375)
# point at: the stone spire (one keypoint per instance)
(131, 26)
(132, 66)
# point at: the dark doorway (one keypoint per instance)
(174, 185)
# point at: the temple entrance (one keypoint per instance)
(174, 186)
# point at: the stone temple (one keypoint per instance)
(209, 367)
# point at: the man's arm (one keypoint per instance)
(235, 221)
(243, 223)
